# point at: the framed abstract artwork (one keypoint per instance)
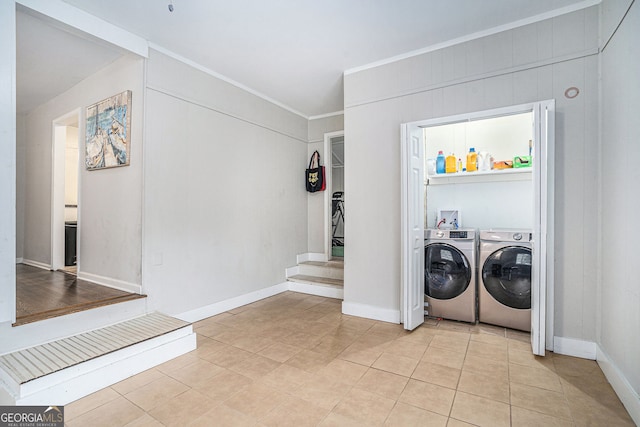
(108, 132)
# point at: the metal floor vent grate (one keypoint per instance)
(35, 362)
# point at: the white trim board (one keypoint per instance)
(321, 291)
(224, 78)
(37, 264)
(231, 303)
(477, 35)
(110, 282)
(481, 76)
(371, 312)
(235, 302)
(218, 110)
(628, 396)
(574, 347)
(324, 116)
(352, 309)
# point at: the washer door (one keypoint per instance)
(506, 275)
(446, 271)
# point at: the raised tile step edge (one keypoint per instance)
(79, 380)
(332, 263)
(314, 270)
(316, 280)
(319, 289)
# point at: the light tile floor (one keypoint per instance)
(295, 360)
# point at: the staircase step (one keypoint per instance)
(316, 280)
(333, 263)
(66, 369)
(314, 285)
(331, 269)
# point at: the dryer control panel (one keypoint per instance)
(457, 234)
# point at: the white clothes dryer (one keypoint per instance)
(450, 274)
(504, 295)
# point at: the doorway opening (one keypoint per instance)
(64, 197)
(335, 210)
(46, 291)
(482, 193)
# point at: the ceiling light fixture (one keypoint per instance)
(170, 7)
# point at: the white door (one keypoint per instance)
(413, 217)
(542, 271)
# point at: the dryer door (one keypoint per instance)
(506, 275)
(447, 272)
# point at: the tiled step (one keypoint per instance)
(330, 269)
(334, 263)
(316, 280)
(314, 285)
(66, 369)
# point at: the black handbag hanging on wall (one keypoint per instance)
(314, 175)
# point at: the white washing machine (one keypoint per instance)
(450, 273)
(504, 295)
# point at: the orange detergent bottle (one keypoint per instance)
(450, 163)
(472, 160)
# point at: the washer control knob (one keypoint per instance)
(440, 234)
(517, 236)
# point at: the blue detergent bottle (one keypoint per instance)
(440, 162)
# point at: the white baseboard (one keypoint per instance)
(110, 282)
(319, 290)
(20, 260)
(628, 396)
(574, 347)
(230, 304)
(312, 256)
(38, 264)
(371, 312)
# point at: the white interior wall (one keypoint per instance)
(483, 205)
(71, 174)
(337, 179)
(20, 183)
(501, 137)
(504, 203)
(315, 201)
(619, 293)
(527, 64)
(8, 161)
(110, 237)
(225, 204)
(337, 184)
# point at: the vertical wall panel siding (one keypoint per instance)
(375, 108)
(619, 293)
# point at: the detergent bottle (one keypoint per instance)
(440, 162)
(450, 164)
(472, 160)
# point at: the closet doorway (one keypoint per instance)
(334, 197)
(414, 213)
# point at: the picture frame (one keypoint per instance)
(108, 132)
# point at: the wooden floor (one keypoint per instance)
(43, 294)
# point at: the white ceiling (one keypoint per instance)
(291, 51)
